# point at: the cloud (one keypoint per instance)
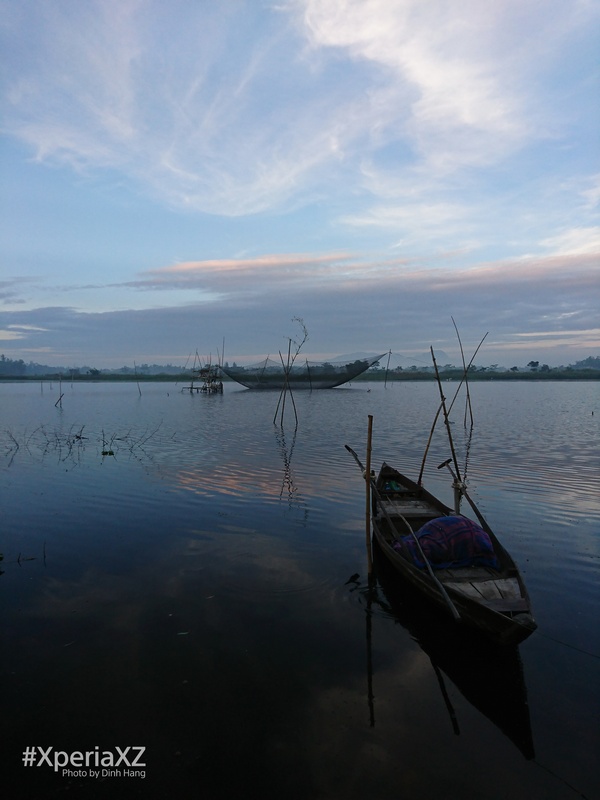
(256, 275)
(303, 274)
(234, 109)
(348, 303)
(591, 194)
(175, 99)
(417, 221)
(460, 71)
(8, 336)
(14, 332)
(576, 241)
(397, 162)
(11, 289)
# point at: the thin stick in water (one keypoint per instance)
(368, 495)
(136, 380)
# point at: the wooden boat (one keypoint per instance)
(492, 599)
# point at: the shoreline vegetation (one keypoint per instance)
(586, 370)
(377, 375)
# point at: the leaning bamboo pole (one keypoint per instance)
(368, 496)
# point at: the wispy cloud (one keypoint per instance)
(152, 90)
(12, 290)
(276, 273)
(254, 275)
(417, 221)
(576, 241)
(190, 125)
(15, 332)
(452, 67)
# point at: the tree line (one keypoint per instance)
(586, 369)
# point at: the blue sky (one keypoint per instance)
(175, 174)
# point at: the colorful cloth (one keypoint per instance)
(452, 542)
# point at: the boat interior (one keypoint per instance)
(498, 589)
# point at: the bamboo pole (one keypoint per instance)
(136, 378)
(462, 353)
(441, 406)
(308, 373)
(283, 392)
(286, 387)
(60, 392)
(427, 446)
(368, 496)
(446, 418)
(370, 694)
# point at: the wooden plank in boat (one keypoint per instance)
(411, 508)
(509, 587)
(500, 589)
(467, 574)
(507, 604)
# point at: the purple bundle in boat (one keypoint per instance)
(452, 542)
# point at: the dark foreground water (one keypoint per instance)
(184, 576)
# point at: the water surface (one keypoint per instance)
(182, 573)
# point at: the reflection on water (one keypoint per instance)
(287, 451)
(189, 592)
(488, 676)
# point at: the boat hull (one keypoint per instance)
(307, 375)
(494, 602)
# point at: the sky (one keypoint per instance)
(194, 176)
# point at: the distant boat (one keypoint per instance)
(270, 374)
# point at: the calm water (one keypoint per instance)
(177, 576)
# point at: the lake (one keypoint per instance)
(184, 574)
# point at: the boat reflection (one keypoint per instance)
(489, 676)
